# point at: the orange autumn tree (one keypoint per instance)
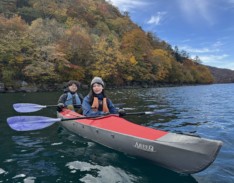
(135, 44)
(14, 46)
(76, 43)
(200, 73)
(46, 58)
(161, 62)
(109, 61)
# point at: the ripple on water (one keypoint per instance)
(97, 173)
(2, 171)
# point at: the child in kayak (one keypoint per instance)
(71, 99)
(96, 102)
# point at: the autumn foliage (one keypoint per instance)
(50, 41)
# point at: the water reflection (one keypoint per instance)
(31, 158)
(97, 173)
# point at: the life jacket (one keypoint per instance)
(72, 101)
(100, 104)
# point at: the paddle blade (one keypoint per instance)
(27, 107)
(28, 123)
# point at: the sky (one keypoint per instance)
(203, 28)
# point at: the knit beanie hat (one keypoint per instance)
(97, 80)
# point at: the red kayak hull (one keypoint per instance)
(177, 152)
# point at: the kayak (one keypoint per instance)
(177, 152)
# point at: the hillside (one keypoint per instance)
(48, 42)
(222, 75)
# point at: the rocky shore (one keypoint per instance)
(22, 86)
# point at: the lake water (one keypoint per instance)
(55, 155)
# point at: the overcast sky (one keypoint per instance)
(201, 27)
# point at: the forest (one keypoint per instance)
(53, 41)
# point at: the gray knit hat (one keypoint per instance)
(97, 80)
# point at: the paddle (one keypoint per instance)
(29, 107)
(28, 123)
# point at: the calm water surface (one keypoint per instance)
(55, 155)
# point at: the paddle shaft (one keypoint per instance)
(82, 117)
(139, 113)
(94, 117)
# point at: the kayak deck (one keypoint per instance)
(120, 125)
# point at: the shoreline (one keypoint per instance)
(60, 87)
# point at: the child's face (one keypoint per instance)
(73, 88)
(97, 88)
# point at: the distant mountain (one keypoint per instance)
(222, 75)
